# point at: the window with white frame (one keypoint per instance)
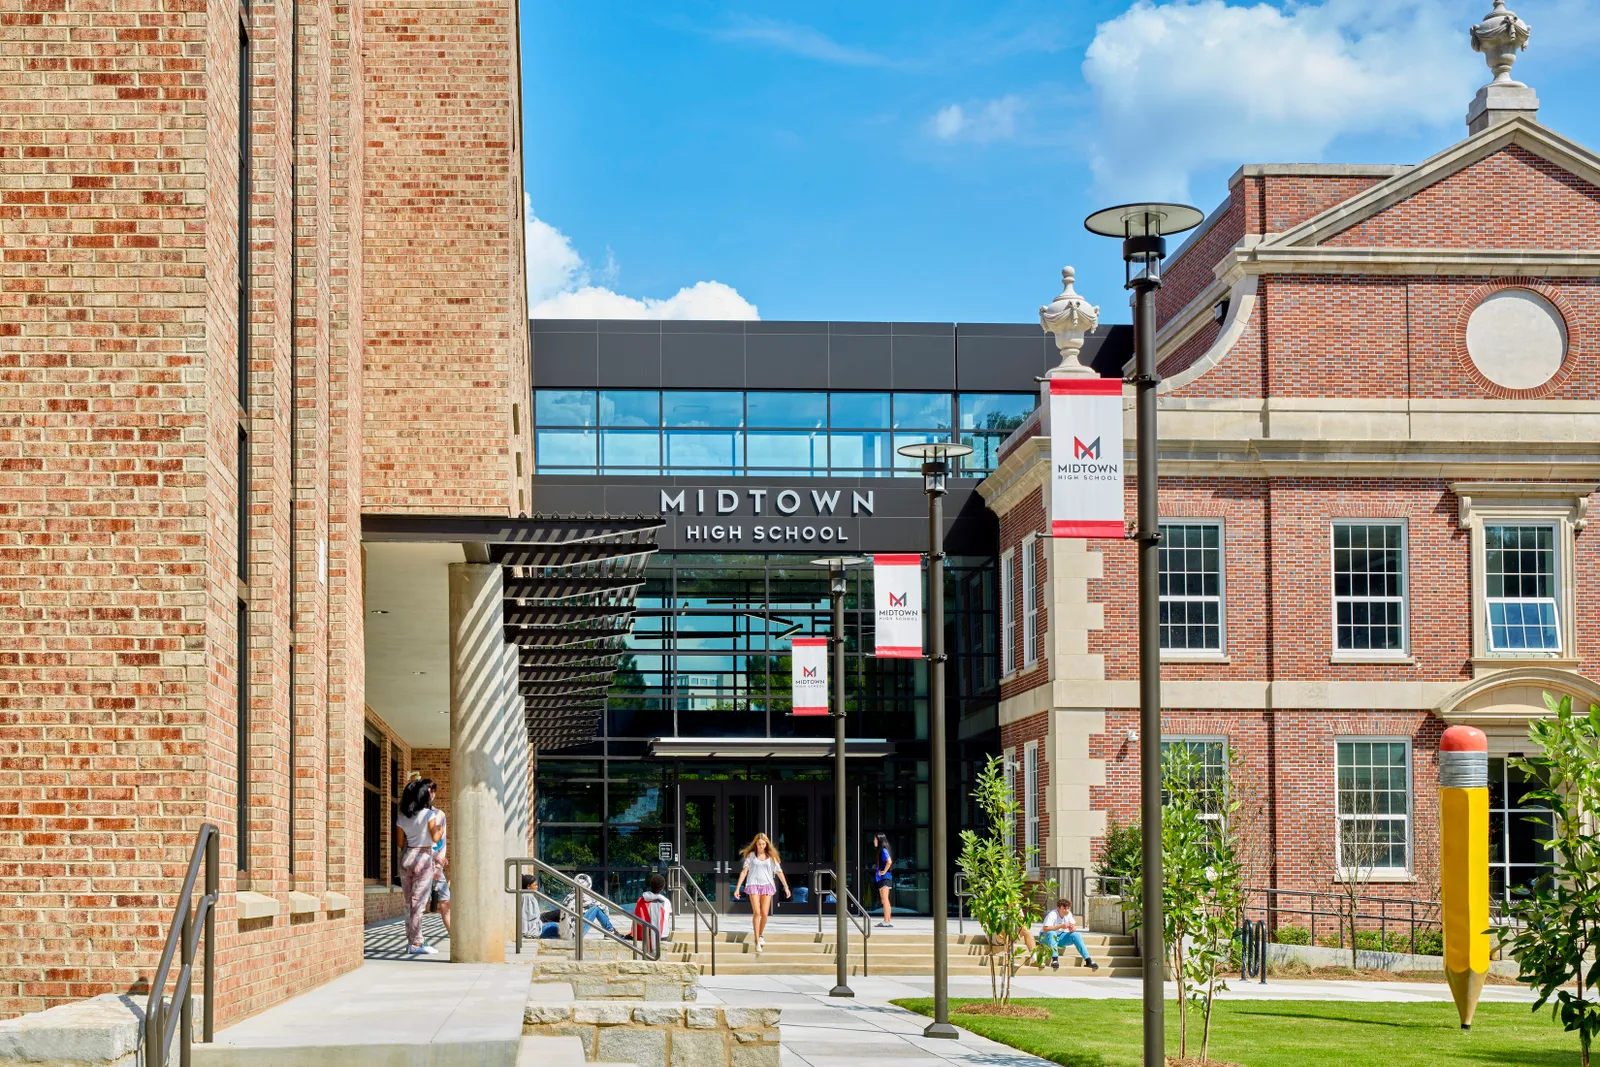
(1030, 802)
(1210, 760)
(1369, 587)
(1520, 584)
(1030, 601)
(1373, 798)
(1008, 614)
(1189, 563)
(1010, 761)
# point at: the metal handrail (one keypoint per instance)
(959, 888)
(697, 897)
(648, 948)
(840, 889)
(189, 921)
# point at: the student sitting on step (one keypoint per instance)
(653, 907)
(537, 923)
(1061, 929)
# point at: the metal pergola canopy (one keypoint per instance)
(570, 586)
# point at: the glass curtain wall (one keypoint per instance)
(770, 434)
(709, 657)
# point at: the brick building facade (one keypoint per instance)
(221, 343)
(1377, 419)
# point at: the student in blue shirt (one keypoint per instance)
(883, 876)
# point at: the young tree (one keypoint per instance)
(1559, 916)
(997, 878)
(1202, 879)
(1359, 854)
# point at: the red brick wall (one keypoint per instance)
(1027, 517)
(1285, 782)
(1017, 735)
(1555, 209)
(445, 312)
(117, 474)
(435, 763)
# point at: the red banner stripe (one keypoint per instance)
(900, 559)
(898, 652)
(810, 711)
(800, 641)
(1088, 529)
(1086, 386)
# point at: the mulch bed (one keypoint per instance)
(1010, 1011)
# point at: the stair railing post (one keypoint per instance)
(208, 1006)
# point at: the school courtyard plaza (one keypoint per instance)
(475, 1014)
(397, 671)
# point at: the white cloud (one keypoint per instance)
(995, 120)
(561, 286)
(1192, 83)
(803, 41)
(702, 300)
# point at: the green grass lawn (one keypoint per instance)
(1287, 1033)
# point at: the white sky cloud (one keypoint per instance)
(562, 286)
(1183, 85)
(994, 120)
(799, 40)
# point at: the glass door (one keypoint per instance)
(794, 835)
(699, 805)
(743, 818)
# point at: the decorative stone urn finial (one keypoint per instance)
(1500, 36)
(1069, 317)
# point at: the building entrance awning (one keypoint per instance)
(767, 747)
(570, 589)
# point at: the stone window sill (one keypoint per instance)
(1378, 878)
(1196, 657)
(1347, 658)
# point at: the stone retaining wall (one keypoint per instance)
(621, 979)
(662, 1035)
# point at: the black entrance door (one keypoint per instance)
(718, 819)
(795, 834)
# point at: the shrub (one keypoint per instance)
(1123, 855)
(1292, 935)
(1428, 943)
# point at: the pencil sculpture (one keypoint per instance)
(1464, 863)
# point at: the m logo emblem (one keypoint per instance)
(808, 672)
(1086, 451)
(898, 601)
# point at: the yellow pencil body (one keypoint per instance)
(1464, 864)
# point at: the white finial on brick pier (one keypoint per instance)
(1069, 317)
(1499, 37)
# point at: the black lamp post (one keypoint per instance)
(1143, 229)
(936, 457)
(836, 589)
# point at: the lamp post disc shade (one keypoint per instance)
(1144, 220)
(839, 562)
(936, 450)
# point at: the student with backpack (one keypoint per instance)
(653, 907)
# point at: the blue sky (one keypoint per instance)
(934, 161)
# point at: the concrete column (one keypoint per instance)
(477, 765)
(516, 757)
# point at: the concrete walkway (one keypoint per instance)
(820, 1031)
(393, 1011)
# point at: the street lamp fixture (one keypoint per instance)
(1144, 229)
(837, 587)
(936, 457)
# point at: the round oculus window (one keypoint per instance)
(1517, 339)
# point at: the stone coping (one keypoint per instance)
(102, 1031)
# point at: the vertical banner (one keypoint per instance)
(809, 666)
(1086, 457)
(897, 597)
